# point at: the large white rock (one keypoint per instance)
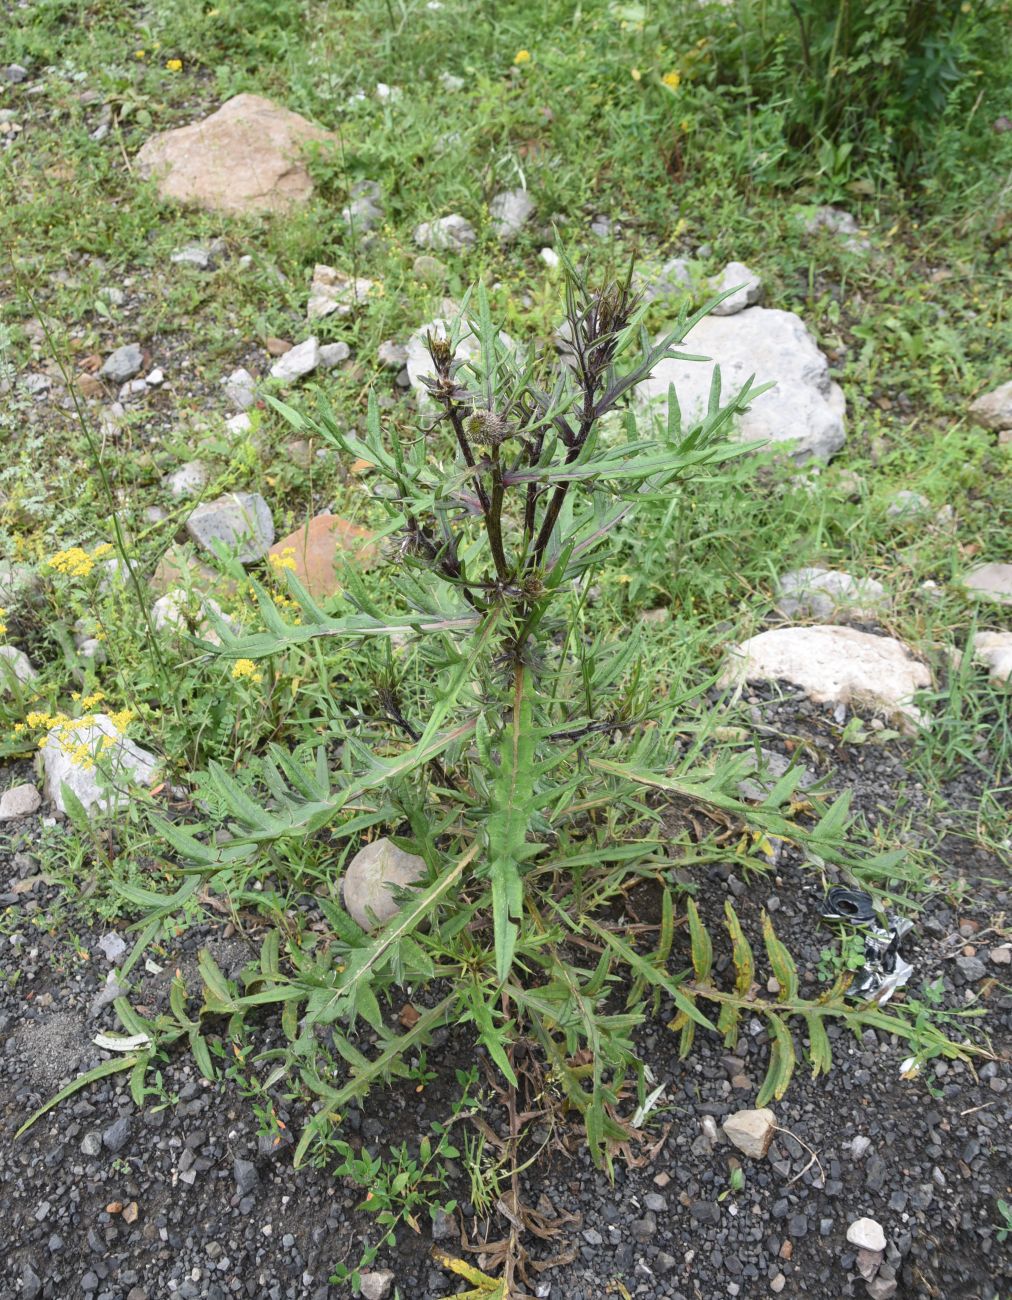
(77, 757)
(15, 667)
(804, 409)
(373, 876)
(827, 595)
(994, 410)
(991, 581)
(994, 650)
(835, 665)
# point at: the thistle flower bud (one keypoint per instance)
(488, 428)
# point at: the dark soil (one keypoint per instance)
(927, 1158)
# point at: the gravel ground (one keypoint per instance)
(102, 1200)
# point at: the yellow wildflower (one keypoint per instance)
(74, 562)
(174, 65)
(286, 560)
(3, 625)
(139, 54)
(248, 669)
(522, 56)
(672, 79)
(102, 550)
(635, 74)
(90, 701)
(122, 719)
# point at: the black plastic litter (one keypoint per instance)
(884, 970)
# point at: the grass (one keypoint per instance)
(915, 329)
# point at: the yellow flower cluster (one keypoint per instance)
(672, 79)
(3, 625)
(174, 65)
(67, 731)
(75, 562)
(286, 560)
(246, 668)
(522, 56)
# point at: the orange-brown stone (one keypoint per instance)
(312, 552)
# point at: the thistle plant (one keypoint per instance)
(522, 759)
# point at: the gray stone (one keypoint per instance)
(828, 594)
(298, 361)
(195, 255)
(751, 1131)
(239, 521)
(838, 222)
(866, 1234)
(179, 612)
(510, 211)
(1001, 956)
(882, 1288)
(15, 73)
(868, 1263)
(334, 293)
(113, 947)
(444, 1226)
(76, 757)
(19, 801)
(452, 232)
(770, 768)
(430, 269)
(91, 1144)
(392, 355)
(991, 581)
(247, 1180)
(908, 505)
(31, 1284)
(123, 364)
(804, 409)
(859, 1147)
(673, 280)
(333, 354)
(994, 410)
(373, 875)
(188, 480)
(240, 388)
(18, 582)
(835, 665)
(364, 210)
(376, 1286)
(748, 286)
(117, 1134)
(971, 968)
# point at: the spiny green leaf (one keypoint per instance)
(818, 1044)
(782, 1062)
(702, 947)
(781, 962)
